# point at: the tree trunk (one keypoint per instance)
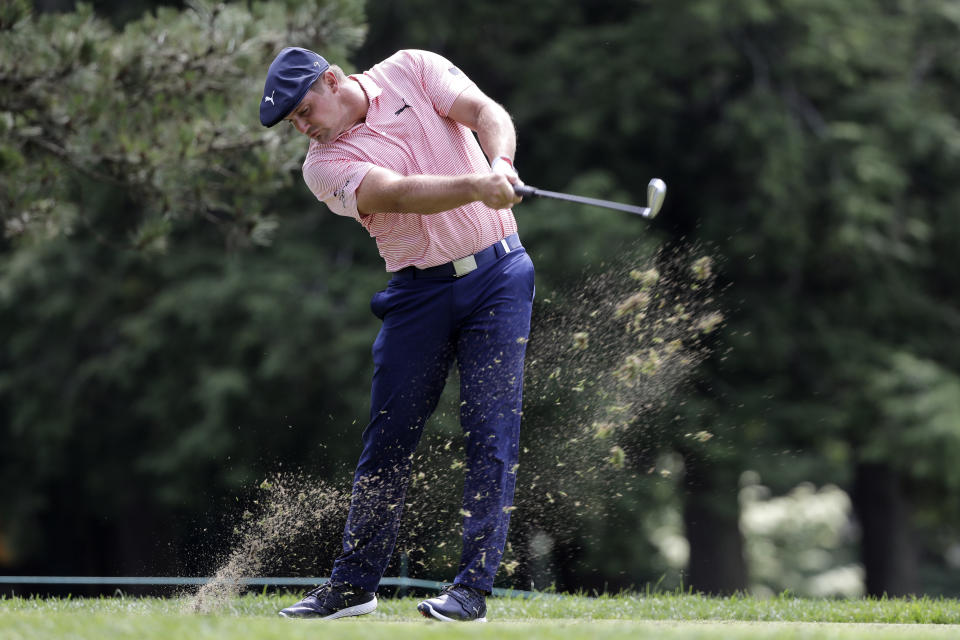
(887, 547)
(711, 515)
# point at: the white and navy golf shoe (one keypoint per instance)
(332, 600)
(456, 603)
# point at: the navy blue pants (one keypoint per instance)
(483, 320)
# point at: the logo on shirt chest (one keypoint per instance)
(400, 110)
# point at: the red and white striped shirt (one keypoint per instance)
(406, 130)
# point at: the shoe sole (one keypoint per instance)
(429, 612)
(356, 610)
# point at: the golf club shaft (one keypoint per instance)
(528, 192)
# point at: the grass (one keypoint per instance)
(669, 616)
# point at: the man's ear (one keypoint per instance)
(331, 81)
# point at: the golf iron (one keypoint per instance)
(656, 192)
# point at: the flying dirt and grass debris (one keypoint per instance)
(623, 340)
(290, 509)
(604, 357)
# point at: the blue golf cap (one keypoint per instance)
(290, 75)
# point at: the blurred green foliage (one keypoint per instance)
(151, 366)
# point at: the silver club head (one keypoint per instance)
(656, 192)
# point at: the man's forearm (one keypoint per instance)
(383, 191)
(426, 194)
(496, 132)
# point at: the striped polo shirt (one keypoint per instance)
(406, 130)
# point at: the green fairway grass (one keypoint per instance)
(626, 616)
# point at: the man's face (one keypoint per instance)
(320, 116)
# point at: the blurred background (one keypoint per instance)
(181, 320)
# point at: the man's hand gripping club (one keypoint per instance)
(502, 167)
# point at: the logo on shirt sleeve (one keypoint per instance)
(341, 194)
(454, 71)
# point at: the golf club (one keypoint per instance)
(656, 192)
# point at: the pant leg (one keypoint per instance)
(490, 352)
(412, 356)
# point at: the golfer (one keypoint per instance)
(394, 149)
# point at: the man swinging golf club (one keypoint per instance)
(394, 149)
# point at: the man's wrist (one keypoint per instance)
(502, 162)
(503, 165)
(474, 181)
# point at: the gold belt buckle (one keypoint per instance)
(463, 266)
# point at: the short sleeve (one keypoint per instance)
(335, 182)
(443, 82)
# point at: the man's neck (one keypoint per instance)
(358, 101)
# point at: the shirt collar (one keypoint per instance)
(369, 86)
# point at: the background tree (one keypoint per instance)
(156, 359)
